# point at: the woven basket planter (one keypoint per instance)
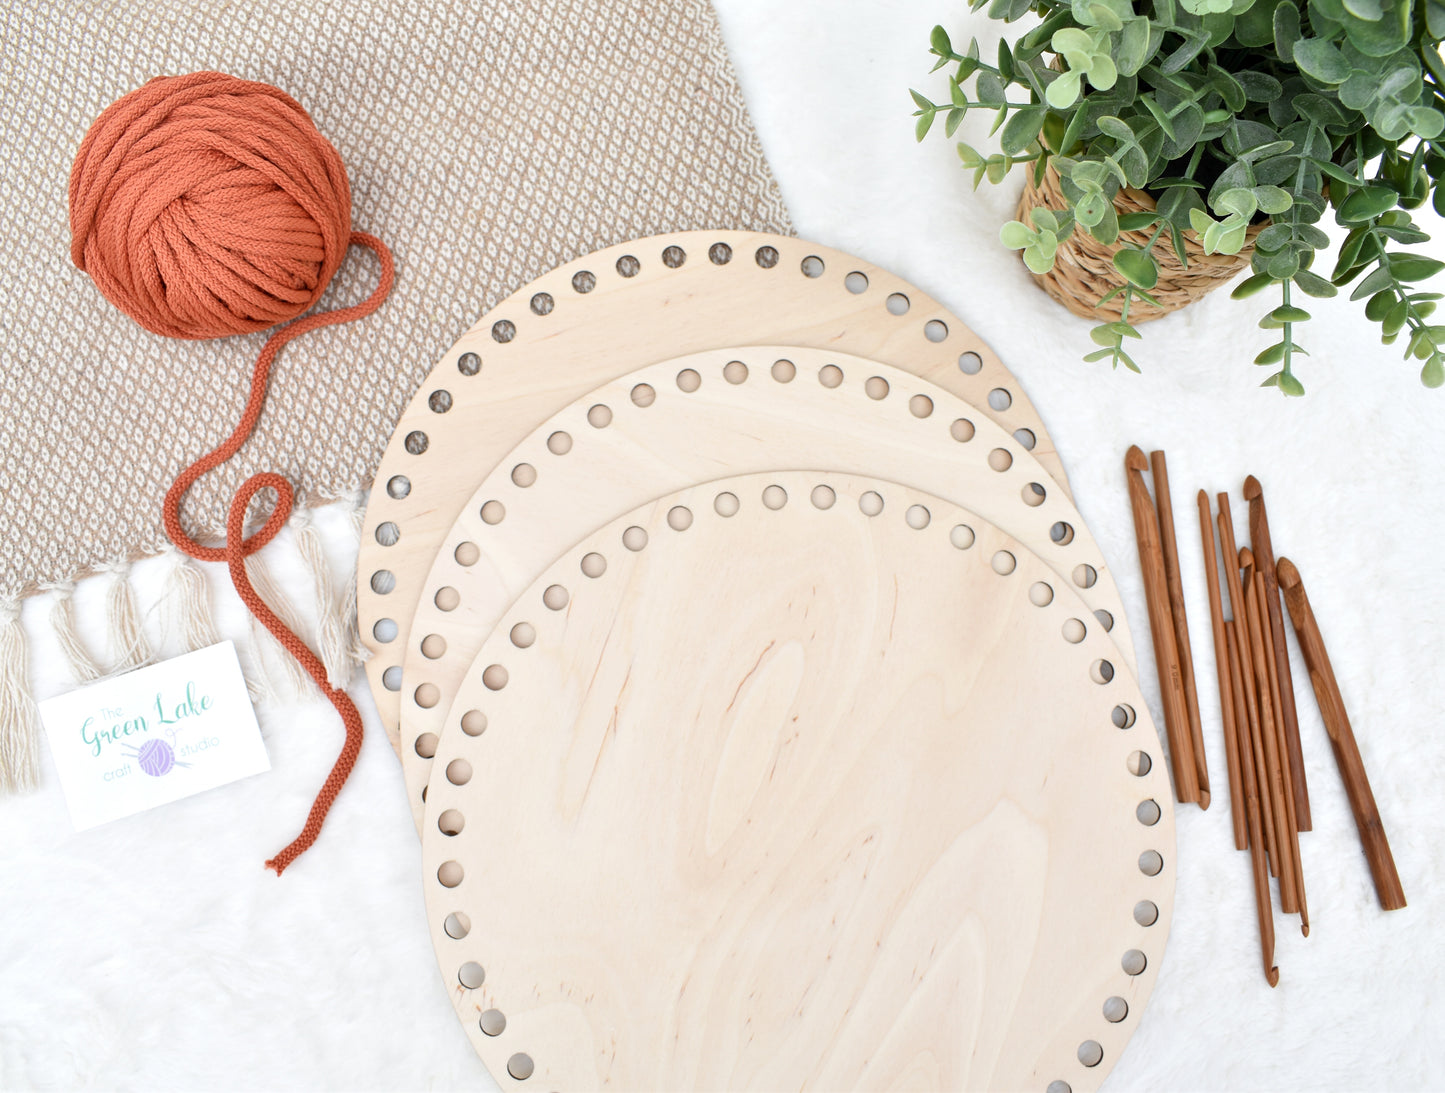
(1084, 270)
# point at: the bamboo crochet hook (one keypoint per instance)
(1161, 627)
(1164, 501)
(1221, 664)
(1342, 740)
(1252, 758)
(1289, 716)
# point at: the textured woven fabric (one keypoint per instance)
(486, 142)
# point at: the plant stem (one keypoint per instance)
(1288, 333)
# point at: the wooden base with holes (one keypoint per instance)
(607, 314)
(799, 780)
(690, 420)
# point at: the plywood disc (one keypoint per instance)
(612, 312)
(690, 420)
(755, 790)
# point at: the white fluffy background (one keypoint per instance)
(156, 953)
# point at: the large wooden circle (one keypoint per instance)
(677, 423)
(612, 312)
(798, 797)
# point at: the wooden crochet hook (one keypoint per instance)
(1164, 501)
(1252, 808)
(1161, 627)
(1283, 840)
(1342, 740)
(1289, 716)
(1221, 665)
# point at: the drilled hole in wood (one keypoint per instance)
(1074, 631)
(1085, 575)
(898, 304)
(471, 975)
(383, 581)
(391, 678)
(812, 266)
(519, 1065)
(439, 402)
(961, 536)
(583, 282)
(555, 597)
(935, 330)
(823, 497)
(1090, 1053)
(593, 565)
(726, 504)
(871, 503)
(600, 416)
(1000, 459)
(1146, 912)
(447, 598)
(1134, 962)
(427, 695)
(876, 388)
(1148, 813)
(1151, 862)
(416, 442)
(688, 381)
(962, 430)
(917, 517)
(1033, 495)
(643, 395)
(1115, 1009)
(494, 677)
(970, 363)
(451, 822)
(679, 517)
(1123, 716)
(542, 303)
(774, 497)
(457, 925)
(999, 399)
(1062, 533)
(856, 282)
(1059, 1086)
(1139, 763)
(523, 635)
(387, 534)
(628, 266)
(673, 257)
(783, 371)
(503, 331)
(493, 512)
(735, 372)
(467, 554)
(1101, 672)
(492, 1022)
(385, 630)
(474, 722)
(920, 406)
(469, 364)
(524, 475)
(719, 254)
(766, 257)
(560, 442)
(830, 375)
(433, 646)
(1041, 594)
(426, 745)
(1003, 563)
(1026, 439)
(398, 486)
(1106, 620)
(450, 874)
(634, 538)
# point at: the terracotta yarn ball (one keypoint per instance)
(205, 205)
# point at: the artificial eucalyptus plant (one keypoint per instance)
(1228, 112)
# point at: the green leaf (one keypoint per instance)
(1015, 235)
(920, 101)
(1022, 129)
(1273, 355)
(1366, 204)
(939, 41)
(952, 119)
(1395, 318)
(1251, 285)
(1433, 374)
(1258, 86)
(1037, 260)
(1063, 92)
(925, 123)
(1286, 30)
(1133, 222)
(1288, 313)
(1375, 282)
(1290, 385)
(1272, 200)
(1322, 60)
(1138, 267)
(1414, 267)
(969, 156)
(1237, 202)
(989, 89)
(1314, 285)
(1044, 219)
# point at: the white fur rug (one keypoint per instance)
(157, 953)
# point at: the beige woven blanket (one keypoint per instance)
(486, 143)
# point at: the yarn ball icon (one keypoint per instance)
(156, 757)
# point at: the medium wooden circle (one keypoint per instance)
(797, 798)
(517, 366)
(689, 435)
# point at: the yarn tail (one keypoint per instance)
(19, 719)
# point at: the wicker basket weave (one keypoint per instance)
(1084, 270)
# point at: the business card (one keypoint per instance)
(170, 730)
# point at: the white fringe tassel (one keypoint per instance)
(294, 676)
(62, 620)
(360, 654)
(190, 622)
(19, 719)
(123, 618)
(332, 638)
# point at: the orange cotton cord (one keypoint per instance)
(238, 547)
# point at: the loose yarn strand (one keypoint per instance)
(332, 637)
(128, 639)
(62, 620)
(19, 718)
(156, 223)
